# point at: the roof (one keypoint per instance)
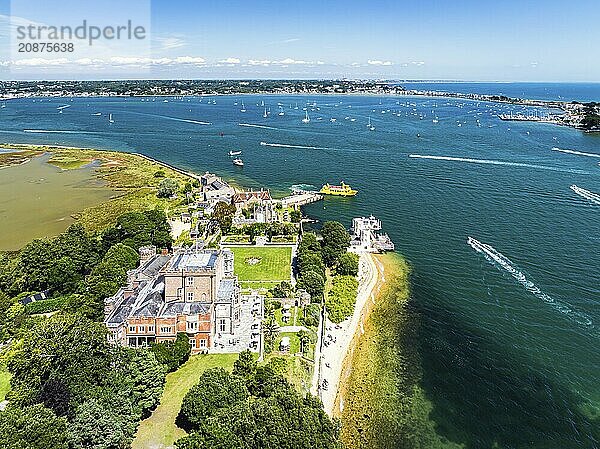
(149, 306)
(242, 197)
(172, 309)
(152, 267)
(194, 260)
(226, 290)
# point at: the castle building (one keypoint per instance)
(190, 291)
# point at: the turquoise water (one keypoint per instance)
(509, 326)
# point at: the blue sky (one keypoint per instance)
(461, 40)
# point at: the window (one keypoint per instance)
(193, 342)
(192, 326)
(179, 292)
(237, 315)
(131, 329)
(203, 343)
(190, 281)
(142, 329)
(150, 329)
(222, 325)
(190, 296)
(203, 297)
(165, 329)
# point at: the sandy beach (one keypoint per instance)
(339, 338)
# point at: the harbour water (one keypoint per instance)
(505, 256)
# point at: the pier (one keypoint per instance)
(300, 198)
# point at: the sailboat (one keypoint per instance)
(281, 111)
(306, 119)
(243, 108)
(371, 127)
(265, 114)
(110, 119)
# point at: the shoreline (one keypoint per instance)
(332, 358)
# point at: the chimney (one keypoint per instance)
(127, 293)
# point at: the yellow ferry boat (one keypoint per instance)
(341, 190)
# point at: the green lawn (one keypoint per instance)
(159, 431)
(273, 263)
(4, 382)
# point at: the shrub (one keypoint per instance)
(341, 298)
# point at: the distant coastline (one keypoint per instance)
(579, 115)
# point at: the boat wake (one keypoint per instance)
(591, 196)
(184, 120)
(499, 260)
(304, 187)
(578, 153)
(493, 162)
(250, 125)
(301, 147)
(168, 117)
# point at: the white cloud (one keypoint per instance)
(230, 61)
(378, 62)
(115, 61)
(283, 62)
(36, 62)
(264, 62)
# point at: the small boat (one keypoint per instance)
(110, 119)
(97, 114)
(342, 190)
(370, 126)
(235, 153)
(265, 114)
(332, 120)
(306, 119)
(238, 162)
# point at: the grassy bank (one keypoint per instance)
(159, 430)
(383, 405)
(133, 179)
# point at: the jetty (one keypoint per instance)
(300, 198)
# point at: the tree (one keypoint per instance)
(335, 241)
(271, 415)
(311, 261)
(81, 248)
(172, 354)
(270, 330)
(35, 427)
(304, 340)
(295, 216)
(223, 214)
(313, 283)
(245, 365)
(216, 389)
(309, 242)
(97, 427)
(60, 361)
(347, 264)
(167, 188)
(282, 290)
